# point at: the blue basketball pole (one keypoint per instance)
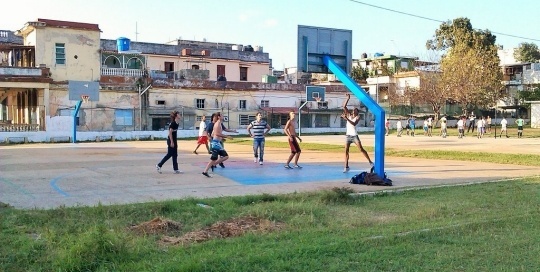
(77, 108)
(370, 104)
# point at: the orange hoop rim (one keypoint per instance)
(85, 98)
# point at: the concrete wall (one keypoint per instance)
(535, 114)
(84, 44)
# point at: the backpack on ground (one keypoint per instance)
(358, 178)
(374, 179)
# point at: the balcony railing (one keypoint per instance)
(122, 72)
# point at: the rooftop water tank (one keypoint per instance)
(237, 47)
(122, 44)
(258, 48)
(378, 54)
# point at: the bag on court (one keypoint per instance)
(374, 179)
(358, 178)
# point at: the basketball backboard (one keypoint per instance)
(315, 93)
(77, 89)
(316, 42)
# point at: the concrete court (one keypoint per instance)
(53, 175)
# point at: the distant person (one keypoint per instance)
(258, 130)
(520, 122)
(479, 128)
(425, 127)
(172, 144)
(216, 145)
(387, 126)
(443, 122)
(210, 129)
(351, 134)
(203, 136)
(412, 124)
(408, 125)
(399, 127)
(504, 123)
(461, 126)
(430, 126)
(472, 118)
(290, 131)
(488, 124)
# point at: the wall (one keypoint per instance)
(535, 114)
(84, 44)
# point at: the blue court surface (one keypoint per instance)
(251, 173)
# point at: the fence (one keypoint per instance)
(15, 118)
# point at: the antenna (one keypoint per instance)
(136, 33)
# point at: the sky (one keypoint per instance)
(274, 24)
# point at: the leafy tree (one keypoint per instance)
(359, 74)
(470, 65)
(527, 52)
(430, 91)
(529, 95)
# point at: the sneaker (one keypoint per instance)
(158, 169)
(206, 175)
(287, 166)
(195, 152)
(260, 163)
(298, 166)
(222, 165)
(178, 172)
(346, 169)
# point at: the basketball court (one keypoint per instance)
(55, 175)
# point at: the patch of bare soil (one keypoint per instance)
(157, 226)
(224, 229)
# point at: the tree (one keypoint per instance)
(359, 74)
(527, 52)
(529, 95)
(430, 91)
(470, 65)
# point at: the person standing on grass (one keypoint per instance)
(520, 122)
(461, 126)
(412, 124)
(216, 145)
(443, 122)
(203, 136)
(488, 124)
(351, 134)
(399, 127)
(471, 123)
(504, 123)
(479, 128)
(290, 131)
(387, 126)
(430, 126)
(172, 144)
(258, 130)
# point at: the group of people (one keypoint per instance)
(257, 130)
(483, 126)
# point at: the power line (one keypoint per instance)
(436, 20)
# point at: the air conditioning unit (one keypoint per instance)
(160, 102)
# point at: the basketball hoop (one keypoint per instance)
(318, 99)
(85, 98)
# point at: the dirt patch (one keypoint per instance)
(224, 229)
(157, 226)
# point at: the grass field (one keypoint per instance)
(485, 227)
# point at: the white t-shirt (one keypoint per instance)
(504, 123)
(480, 123)
(443, 122)
(460, 123)
(202, 129)
(351, 129)
(398, 124)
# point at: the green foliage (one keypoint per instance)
(529, 95)
(359, 74)
(527, 52)
(470, 66)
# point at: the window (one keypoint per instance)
(265, 103)
(246, 119)
(60, 53)
(195, 67)
(123, 117)
(169, 66)
(322, 105)
(242, 105)
(322, 120)
(243, 73)
(199, 103)
(220, 70)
